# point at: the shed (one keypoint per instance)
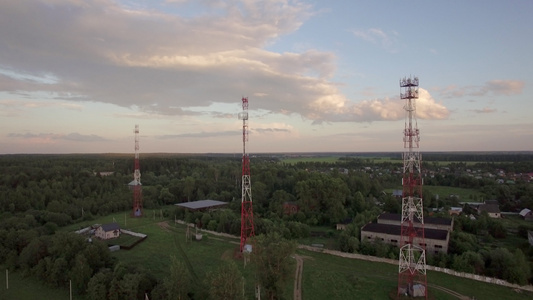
(525, 212)
(201, 205)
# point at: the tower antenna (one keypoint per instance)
(247, 215)
(137, 187)
(412, 263)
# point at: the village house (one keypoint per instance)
(491, 207)
(108, 231)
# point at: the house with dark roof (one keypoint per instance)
(429, 222)
(107, 231)
(493, 210)
(388, 230)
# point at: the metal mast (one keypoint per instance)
(137, 188)
(412, 262)
(247, 215)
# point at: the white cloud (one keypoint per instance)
(340, 110)
(166, 64)
(379, 37)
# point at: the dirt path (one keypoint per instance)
(451, 292)
(298, 277)
(164, 226)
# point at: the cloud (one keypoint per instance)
(97, 50)
(340, 110)
(168, 64)
(272, 130)
(201, 134)
(485, 110)
(503, 87)
(12, 107)
(492, 87)
(377, 36)
(48, 137)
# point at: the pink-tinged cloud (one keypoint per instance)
(492, 87)
(504, 87)
(46, 138)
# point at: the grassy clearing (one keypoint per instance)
(324, 276)
(153, 255)
(330, 277)
(30, 288)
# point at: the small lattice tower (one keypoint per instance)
(412, 262)
(137, 187)
(247, 215)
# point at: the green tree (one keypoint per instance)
(130, 286)
(179, 284)
(225, 283)
(98, 285)
(58, 274)
(80, 273)
(189, 187)
(272, 258)
(469, 261)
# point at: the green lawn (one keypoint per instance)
(330, 277)
(324, 276)
(29, 289)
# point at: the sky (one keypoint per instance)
(76, 76)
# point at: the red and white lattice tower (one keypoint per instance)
(247, 214)
(137, 187)
(412, 262)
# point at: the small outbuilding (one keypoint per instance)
(108, 231)
(526, 214)
(202, 205)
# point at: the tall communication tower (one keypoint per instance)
(247, 214)
(412, 263)
(137, 187)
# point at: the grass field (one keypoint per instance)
(330, 277)
(324, 276)
(29, 289)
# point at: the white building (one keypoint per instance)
(108, 231)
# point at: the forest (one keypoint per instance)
(39, 194)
